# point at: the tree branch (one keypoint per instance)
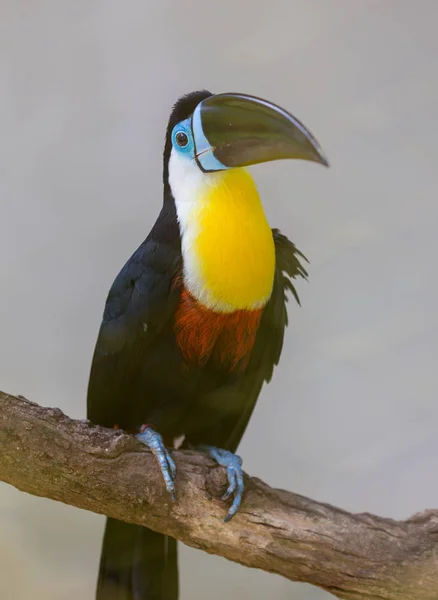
(365, 557)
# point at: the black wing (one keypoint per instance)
(140, 303)
(269, 342)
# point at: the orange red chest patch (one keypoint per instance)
(225, 339)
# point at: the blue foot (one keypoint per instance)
(154, 442)
(233, 464)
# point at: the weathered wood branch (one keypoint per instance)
(353, 556)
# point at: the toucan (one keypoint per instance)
(193, 324)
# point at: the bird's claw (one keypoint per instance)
(233, 464)
(154, 442)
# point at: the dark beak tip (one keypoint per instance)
(321, 158)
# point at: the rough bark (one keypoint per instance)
(353, 556)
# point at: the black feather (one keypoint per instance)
(136, 563)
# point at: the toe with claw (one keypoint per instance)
(233, 465)
(154, 442)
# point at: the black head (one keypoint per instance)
(225, 131)
(182, 109)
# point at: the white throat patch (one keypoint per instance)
(189, 186)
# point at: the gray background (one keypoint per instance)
(85, 90)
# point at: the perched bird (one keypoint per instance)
(193, 324)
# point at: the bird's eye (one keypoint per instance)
(181, 139)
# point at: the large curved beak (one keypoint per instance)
(236, 130)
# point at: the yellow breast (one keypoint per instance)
(233, 245)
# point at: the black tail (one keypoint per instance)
(137, 564)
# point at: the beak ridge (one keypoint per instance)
(237, 130)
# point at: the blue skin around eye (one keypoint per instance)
(184, 127)
(205, 157)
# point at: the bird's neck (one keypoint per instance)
(227, 244)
